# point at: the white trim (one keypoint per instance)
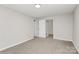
(62, 39)
(75, 47)
(16, 44)
(71, 41)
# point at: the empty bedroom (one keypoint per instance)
(39, 28)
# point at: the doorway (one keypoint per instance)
(43, 28)
(49, 28)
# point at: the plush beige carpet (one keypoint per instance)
(42, 46)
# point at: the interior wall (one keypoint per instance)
(14, 28)
(62, 27)
(76, 28)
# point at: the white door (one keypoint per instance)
(42, 28)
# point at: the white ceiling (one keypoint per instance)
(44, 11)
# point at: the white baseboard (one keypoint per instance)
(72, 42)
(75, 47)
(16, 44)
(62, 39)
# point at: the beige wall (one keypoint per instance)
(76, 28)
(14, 28)
(62, 27)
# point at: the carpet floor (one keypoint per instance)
(42, 46)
